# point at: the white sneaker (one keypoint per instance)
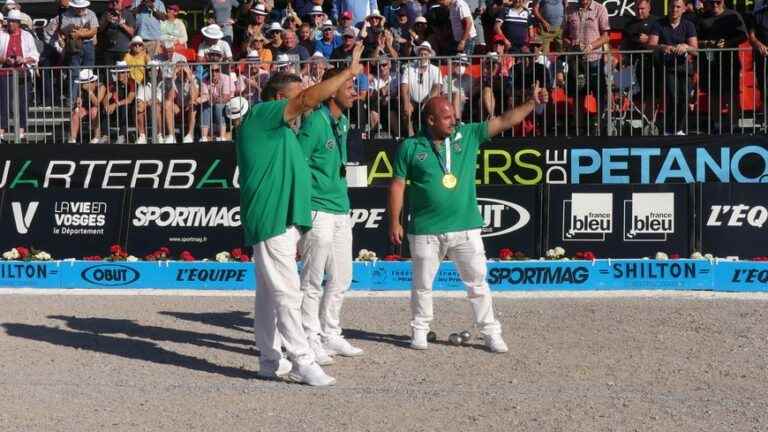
(188, 139)
(311, 374)
(321, 355)
(71, 141)
(170, 139)
(273, 369)
(94, 140)
(120, 139)
(338, 345)
(496, 344)
(680, 133)
(104, 140)
(160, 139)
(142, 139)
(419, 339)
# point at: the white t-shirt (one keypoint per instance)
(221, 43)
(421, 81)
(460, 10)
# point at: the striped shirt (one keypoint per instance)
(515, 24)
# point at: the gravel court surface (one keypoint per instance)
(601, 362)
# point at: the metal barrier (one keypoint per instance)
(616, 93)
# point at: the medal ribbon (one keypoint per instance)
(446, 167)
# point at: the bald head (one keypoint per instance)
(439, 117)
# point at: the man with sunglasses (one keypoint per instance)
(329, 40)
(116, 28)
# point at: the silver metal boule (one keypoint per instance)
(466, 337)
(431, 336)
(454, 339)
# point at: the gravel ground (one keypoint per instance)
(180, 363)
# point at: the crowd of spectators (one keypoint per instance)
(139, 64)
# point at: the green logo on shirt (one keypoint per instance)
(330, 144)
(421, 156)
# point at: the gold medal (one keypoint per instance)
(450, 181)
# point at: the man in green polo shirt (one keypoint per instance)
(440, 164)
(275, 210)
(327, 247)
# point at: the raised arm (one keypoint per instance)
(512, 117)
(313, 96)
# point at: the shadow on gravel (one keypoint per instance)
(128, 348)
(234, 320)
(132, 329)
(392, 339)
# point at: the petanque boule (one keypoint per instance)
(454, 339)
(466, 337)
(431, 336)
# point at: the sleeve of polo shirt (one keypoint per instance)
(464, 11)
(690, 30)
(308, 136)
(401, 161)
(602, 20)
(477, 133)
(268, 115)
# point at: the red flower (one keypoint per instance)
(236, 253)
(674, 256)
(24, 252)
(150, 257)
(186, 256)
(579, 255)
(244, 258)
(164, 250)
(392, 257)
(588, 255)
(115, 249)
(506, 254)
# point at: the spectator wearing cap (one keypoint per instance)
(275, 34)
(758, 38)
(460, 87)
(344, 52)
(421, 80)
(360, 9)
(213, 36)
(116, 28)
(720, 28)
(88, 100)
(217, 89)
(329, 41)
(174, 27)
(345, 22)
(397, 8)
(383, 88)
(119, 100)
(462, 25)
(222, 13)
(515, 23)
(383, 46)
(149, 14)
(17, 52)
(550, 15)
(136, 58)
(251, 78)
(419, 32)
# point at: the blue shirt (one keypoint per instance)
(359, 8)
(327, 47)
(147, 26)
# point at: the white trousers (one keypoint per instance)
(278, 299)
(466, 250)
(325, 249)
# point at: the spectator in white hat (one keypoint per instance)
(275, 35)
(460, 87)
(149, 14)
(119, 101)
(258, 15)
(329, 41)
(316, 17)
(421, 80)
(78, 28)
(88, 99)
(214, 37)
(216, 90)
(258, 43)
(17, 51)
(314, 73)
(252, 78)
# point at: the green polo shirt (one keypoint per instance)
(274, 177)
(433, 208)
(324, 141)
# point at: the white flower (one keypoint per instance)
(7, 255)
(661, 256)
(559, 251)
(43, 256)
(223, 257)
(131, 258)
(709, 256)
(550, 253)
(697, 255)
(15, 254)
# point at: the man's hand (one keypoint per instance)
(643, 38)
(356, 68)
(545, 26)
(461, 45)
(396, 234)
(540, 95)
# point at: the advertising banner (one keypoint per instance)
(203, 222)
(511, 219)
(734, 219)
(66, 223)
(620, 221)
(370, 226)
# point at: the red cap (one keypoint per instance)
(498, 38)
(346, 15)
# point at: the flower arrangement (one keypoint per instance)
(366, 255)
(556, 253)
(698, 255)
(26, 254)
(235, 255)
(585, 255)
(392, 257)
(507, 254)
